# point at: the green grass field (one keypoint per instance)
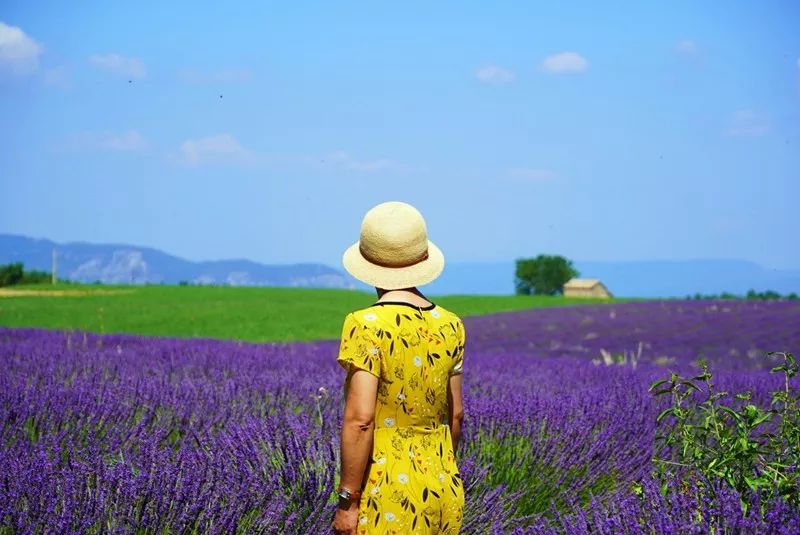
(253, 314)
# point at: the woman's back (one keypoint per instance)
(412, 478)
(413, 351)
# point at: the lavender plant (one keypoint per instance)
(128, 434)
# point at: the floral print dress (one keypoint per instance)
(412, 483)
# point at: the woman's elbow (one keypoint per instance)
(457, 414)
(362, 420)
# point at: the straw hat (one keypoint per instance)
(393, 251)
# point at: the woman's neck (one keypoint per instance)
(405, 295)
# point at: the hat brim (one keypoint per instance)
(390, 278)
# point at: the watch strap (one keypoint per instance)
(351, 494)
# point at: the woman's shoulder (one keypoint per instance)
(392, 311)
(380, 313)
(368, 314)
(397, 311)
(446, 314)
(451, 320)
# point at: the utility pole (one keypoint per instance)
(53, 274)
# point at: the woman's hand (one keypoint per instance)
(346, 520)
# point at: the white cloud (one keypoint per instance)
(686, 47)
(224, 76)
(129, 141)
(748, 123)
(221, 149)
(525, 174)
(120, 65)
(494, 74)
(565, 63)
(343, 160)
(19, 54)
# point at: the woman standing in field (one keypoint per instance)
(403, 408)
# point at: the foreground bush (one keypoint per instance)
(752, 449)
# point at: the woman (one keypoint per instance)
(403, 407)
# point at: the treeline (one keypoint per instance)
(751, 294)
(14, 273)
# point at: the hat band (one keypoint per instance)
(400, 263)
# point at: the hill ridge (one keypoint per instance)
(83, 261)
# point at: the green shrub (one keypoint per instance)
(709, 440)
(36, 277)
(11, 274)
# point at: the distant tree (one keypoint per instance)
(751, 294)
(11, 274)
(15, 273)
(766, 295)
(543, 275)
(35, 276)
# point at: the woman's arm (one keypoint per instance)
(356, 444)
(456, 408)
(357, 427)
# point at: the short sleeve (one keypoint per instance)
(359, 347)
(458, 354)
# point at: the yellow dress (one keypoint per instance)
(412, 483)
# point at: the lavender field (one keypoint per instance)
(129, 434)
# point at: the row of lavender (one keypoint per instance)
(120, 434)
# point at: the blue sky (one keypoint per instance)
(265, 130)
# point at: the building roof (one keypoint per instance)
(582, 283)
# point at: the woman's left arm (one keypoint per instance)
(358, 425)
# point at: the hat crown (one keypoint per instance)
(394, 234)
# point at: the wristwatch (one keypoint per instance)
(346, 496)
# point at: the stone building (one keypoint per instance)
(586, 288)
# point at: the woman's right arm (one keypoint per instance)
(456, 408)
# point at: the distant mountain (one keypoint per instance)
(114, 263)
(130, 264)
(654, 278)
